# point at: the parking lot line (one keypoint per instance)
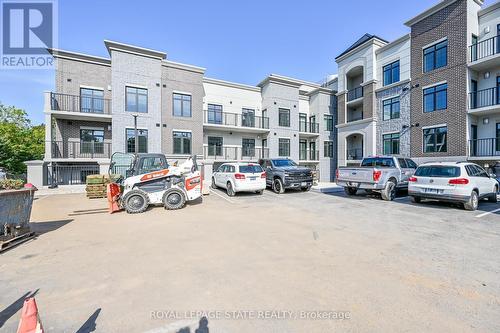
(487, 213)
(220, 195)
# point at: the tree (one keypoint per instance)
(20, 141)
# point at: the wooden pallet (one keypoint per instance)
(9, 243)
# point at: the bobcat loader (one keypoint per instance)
(147, 179)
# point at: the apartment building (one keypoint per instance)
(179, 112)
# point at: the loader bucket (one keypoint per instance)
(113, 194)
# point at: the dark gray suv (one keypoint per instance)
(283, 173)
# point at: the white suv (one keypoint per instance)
(240, 177)
(462, 182)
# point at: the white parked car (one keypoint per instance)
(460, 182)
(240, 177)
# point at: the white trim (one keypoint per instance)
(434, 43)
(91, 87)
(434, 126)
(92, 128)
(181, 130)
(230, 84)
(132, 128)
(433, 85)
(392, 132)
(133, 85)
(181, 92)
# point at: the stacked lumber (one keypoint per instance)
(96, 186)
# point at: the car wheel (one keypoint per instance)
(350, 190)
(135, 201)
(230, 190)
(306, 189)
(493, 196)
(389, 192)
(213, 186)
(473, 201)
(278, 186)
(416, 199)
(260, 192)
(173, 199)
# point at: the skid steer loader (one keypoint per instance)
(148, 179)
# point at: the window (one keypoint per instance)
(248, 147)
(385, 162)
(182, 143)
(411, 163)
(214, 114)
(248, 117)
(92, 100)
(436, 98)
(391, 143)
(402, 163)
(251, 168)
(391, 108)
(329, 122)
(215, 146)
(476, 171)
(328, 151)
(436, 56)
(498, 137)
(91, 141)
(438, 171)
(136, 99)
(391, 73)
(284, 117)
(474, 48)
(284, 147)
(435, 139)
(142, 136)
(182, 105)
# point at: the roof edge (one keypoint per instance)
(113, 45)
(231, 84)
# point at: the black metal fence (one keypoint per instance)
(77, 103)
(308, 155)
(484, 147)
(235, 153)
(65, 174)
(81, 149)
(235, 119)
(485, 48)
(355, 93)
(483, 98)
(308, 127)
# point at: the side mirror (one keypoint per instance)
(492, 175)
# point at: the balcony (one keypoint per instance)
(308, 155)
(80, 150)
(80, 104)
(355, 154)
(236, 122)
(354, 94)
(234, 153)
(308, 128)
(484, 101)
(484, 148)
(485, 54)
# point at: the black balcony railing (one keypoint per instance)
(80, 149)
(484, 147)
(485, 48)
(483, 98)
(70, 174)
(308, 127)
(352, 116)
(235, 153)
(308, 155)
(77, 103)
(235, 119)
(355, 93)
(354, 154)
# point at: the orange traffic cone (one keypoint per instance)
(30, 321)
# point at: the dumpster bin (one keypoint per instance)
(15, 212)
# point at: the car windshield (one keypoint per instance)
(253, 168)
(283, 163)
(438, 171)
(378, 162)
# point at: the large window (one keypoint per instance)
(92, 141)
(284, 117)
(435, 139)
(248, 117)
(391, 73)
(182, 143)
(436, 56)
(136, 99)
(248, 147)
(142, 136)
(92, 100)
(214, 114)
(182, 105)
(391, 143)
(436, 98)
(215, 146)
(328, 149)
(284, 147)
(391, 108)
(329, 122)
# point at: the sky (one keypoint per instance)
(239, 41)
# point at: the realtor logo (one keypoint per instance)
(28, 30)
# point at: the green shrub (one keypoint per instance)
(11, 184)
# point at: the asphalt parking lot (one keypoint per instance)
(269, 263)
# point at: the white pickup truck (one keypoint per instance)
(384, 174)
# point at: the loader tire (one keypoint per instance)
(173, 199)
(135, 201)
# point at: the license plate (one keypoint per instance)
(353, 184)
(252, 178)
(303, 184)
(433, 190)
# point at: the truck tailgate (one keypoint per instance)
(356, 175)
